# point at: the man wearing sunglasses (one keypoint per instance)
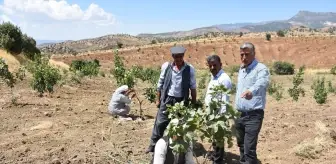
(177, 81)
(253, 79)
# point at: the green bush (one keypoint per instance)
(297, 90)
(29, 47)
(5, 74)
(331, 88)
(333, 70)
(45, 77)
(11, 38)
(320, 91)
(268, 36)
(281, 33)
(275, 90)
(88, 68)
(283, 68)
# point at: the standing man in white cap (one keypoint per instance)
(253, 79)
(177, 81)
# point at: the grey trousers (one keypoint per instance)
(247, 128)
(162, 120)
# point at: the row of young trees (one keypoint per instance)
(320, 86)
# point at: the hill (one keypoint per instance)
(99, 43)
(314, 20)
(180, 34)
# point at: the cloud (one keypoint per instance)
(327, 23)
(57, 19)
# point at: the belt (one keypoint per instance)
(251, 112)
(176, 98)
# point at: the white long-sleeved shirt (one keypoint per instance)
(161, 151)
(220, 79)
(119, 100)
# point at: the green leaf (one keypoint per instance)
(221, 124)
(215, 128)
(211, 117)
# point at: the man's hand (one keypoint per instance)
(157, 103)
(247, 95)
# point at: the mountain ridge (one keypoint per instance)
(309, 19)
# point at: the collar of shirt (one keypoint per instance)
(175, 67)
(217, 75)
(250, 66)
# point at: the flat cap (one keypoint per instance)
(177, 50)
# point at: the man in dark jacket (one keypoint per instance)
(177, 80)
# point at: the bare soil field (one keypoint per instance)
(314, 52)
(72, 124)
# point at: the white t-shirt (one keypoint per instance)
(220, 79)
(161, 151)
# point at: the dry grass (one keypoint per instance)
(59, 64)
(13, 62)
(313, 148)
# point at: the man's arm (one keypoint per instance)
(262, 81)
(160, 82)
(226, 81)
(125, 99)
(193, 85)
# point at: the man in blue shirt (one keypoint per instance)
(253, 80)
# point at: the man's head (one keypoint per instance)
(122, 89)
(178, 54)
(247, 53)
(214, 64)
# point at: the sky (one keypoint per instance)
(80, 19)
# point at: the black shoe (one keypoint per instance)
(150, 149)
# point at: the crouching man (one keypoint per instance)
(119, 103)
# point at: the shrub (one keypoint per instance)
(268, 36)
(297, 89)
(240, 34)
(320, 91)
(281, 33)
(120, 45)
(11, 38)
(88, 68)
(123, 76)
(29, 47)
(331, 88)
(154, 41)
(333, 70)
(190, 122)
(5, 74)
(45, 77)
(275, 90)
(283, 68)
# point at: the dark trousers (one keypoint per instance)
(162, 120)
(247, 128)
(218, 154)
